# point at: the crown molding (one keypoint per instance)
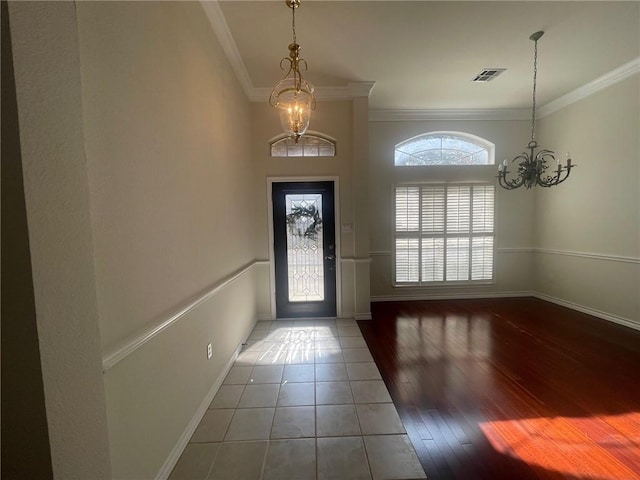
(600, 83)
(322, 94)
(360, 89)
(221, 29)
(363, 89)
(452, 114)
(261, 94)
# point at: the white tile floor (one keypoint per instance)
(304, 400)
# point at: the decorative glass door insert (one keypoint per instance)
(305, 255)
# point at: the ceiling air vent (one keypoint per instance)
(488, 74)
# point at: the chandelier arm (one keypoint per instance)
(544, 156)
(548, 181)
(283, 66)
(542, 178)
(542, 159)
(523, 156)
(566, 171)
(509, 184)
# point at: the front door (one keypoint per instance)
(304, 249)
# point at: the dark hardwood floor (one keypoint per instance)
(511, 388)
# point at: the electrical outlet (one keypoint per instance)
(209, 351)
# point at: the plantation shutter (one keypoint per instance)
(444, 233)
(433, 223)
(407, 229)
(458, 226)
(482, 240)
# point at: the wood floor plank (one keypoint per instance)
(511, 388)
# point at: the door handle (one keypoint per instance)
(330, 257)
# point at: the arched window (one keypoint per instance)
(309, 145)
(444, 148)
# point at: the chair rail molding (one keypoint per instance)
(131, 344)
(594, 256)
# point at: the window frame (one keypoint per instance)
(419, 235)
(468, 137)
(310, 134)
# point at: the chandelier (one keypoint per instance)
(532, 167)
(293, 95)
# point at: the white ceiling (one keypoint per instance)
(424, 54)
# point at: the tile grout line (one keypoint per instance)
(264, 459)
(213, 461)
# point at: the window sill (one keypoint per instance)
(464, 284)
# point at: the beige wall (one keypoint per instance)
(24, 419)
(138, 202)
(337, 120)
(165, 161)
(514, 209)
(172, 215)
(587, 231)
(47, 73)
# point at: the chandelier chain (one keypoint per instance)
(293, 22)
(535, 76)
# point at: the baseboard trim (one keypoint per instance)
(179, 447)
(627, 322)
(264, 317)
(363, 316)
(448, 296)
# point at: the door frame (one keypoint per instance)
(336, 216)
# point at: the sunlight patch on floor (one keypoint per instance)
(570, 445)
(293, 343)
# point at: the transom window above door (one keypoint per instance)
(444, 148)
(308, 145)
